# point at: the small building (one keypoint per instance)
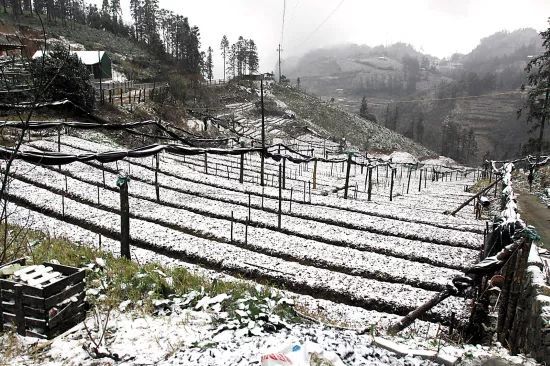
(10, 45)
(98, 62)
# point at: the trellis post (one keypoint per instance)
(346, 187)
(122, 183)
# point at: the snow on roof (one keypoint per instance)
(87, 57)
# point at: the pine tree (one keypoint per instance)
(209, 66)
(253, 61)
(224, 45)
(364, 109)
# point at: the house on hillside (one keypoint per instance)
(98, 62)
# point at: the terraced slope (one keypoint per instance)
(383, 256)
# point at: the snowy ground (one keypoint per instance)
(353, 262)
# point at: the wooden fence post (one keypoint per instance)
(315, 174)
(122, 183)
(291, 190)
(232, 219)
(409, 180)
(246, 230)
(157, 188)
(420, 181)
(346, 186)
(369, 193)
(249, 204)
(241, 171)
(391, 186)
(19, 309)
(284, 173)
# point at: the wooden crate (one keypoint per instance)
(43, 311)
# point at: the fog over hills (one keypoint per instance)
(425, 97)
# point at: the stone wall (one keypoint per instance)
(530, 333)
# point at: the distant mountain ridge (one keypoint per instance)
(388, 75)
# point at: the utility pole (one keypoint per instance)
(279, 50)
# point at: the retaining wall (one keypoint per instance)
(531, 327)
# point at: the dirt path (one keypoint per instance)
(537, 214)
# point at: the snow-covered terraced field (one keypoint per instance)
(380, 255)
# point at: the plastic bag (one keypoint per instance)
(296, 354)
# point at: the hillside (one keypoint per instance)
(338, 123)
(388, 75)
(130, 59)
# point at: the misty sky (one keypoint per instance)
(437, 27)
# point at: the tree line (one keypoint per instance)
(239, 58)
(166, 34)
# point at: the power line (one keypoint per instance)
(293, 13)
(283, 26)
(323, 22)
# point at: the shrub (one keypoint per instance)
(178, 87)
(61, 75)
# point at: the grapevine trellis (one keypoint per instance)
(296, 186)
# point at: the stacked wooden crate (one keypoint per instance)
(41, 300)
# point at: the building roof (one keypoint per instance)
(9, 42)
(87, 57)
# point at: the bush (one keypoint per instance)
(178, 87)
(61, 75)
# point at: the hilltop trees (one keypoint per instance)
(243, 57)
(538, 90)
(163, 32)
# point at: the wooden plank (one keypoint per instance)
(31, 312)
(45, 278)
(67, 313)
(28, 321)
(63, 327)
(26, 270)
(33, 301)
(61, 284)
(32, 333)
(7, 295)
(19, 315)
(27, 290)
(57, 298)
(66, 270)
(41, 271)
